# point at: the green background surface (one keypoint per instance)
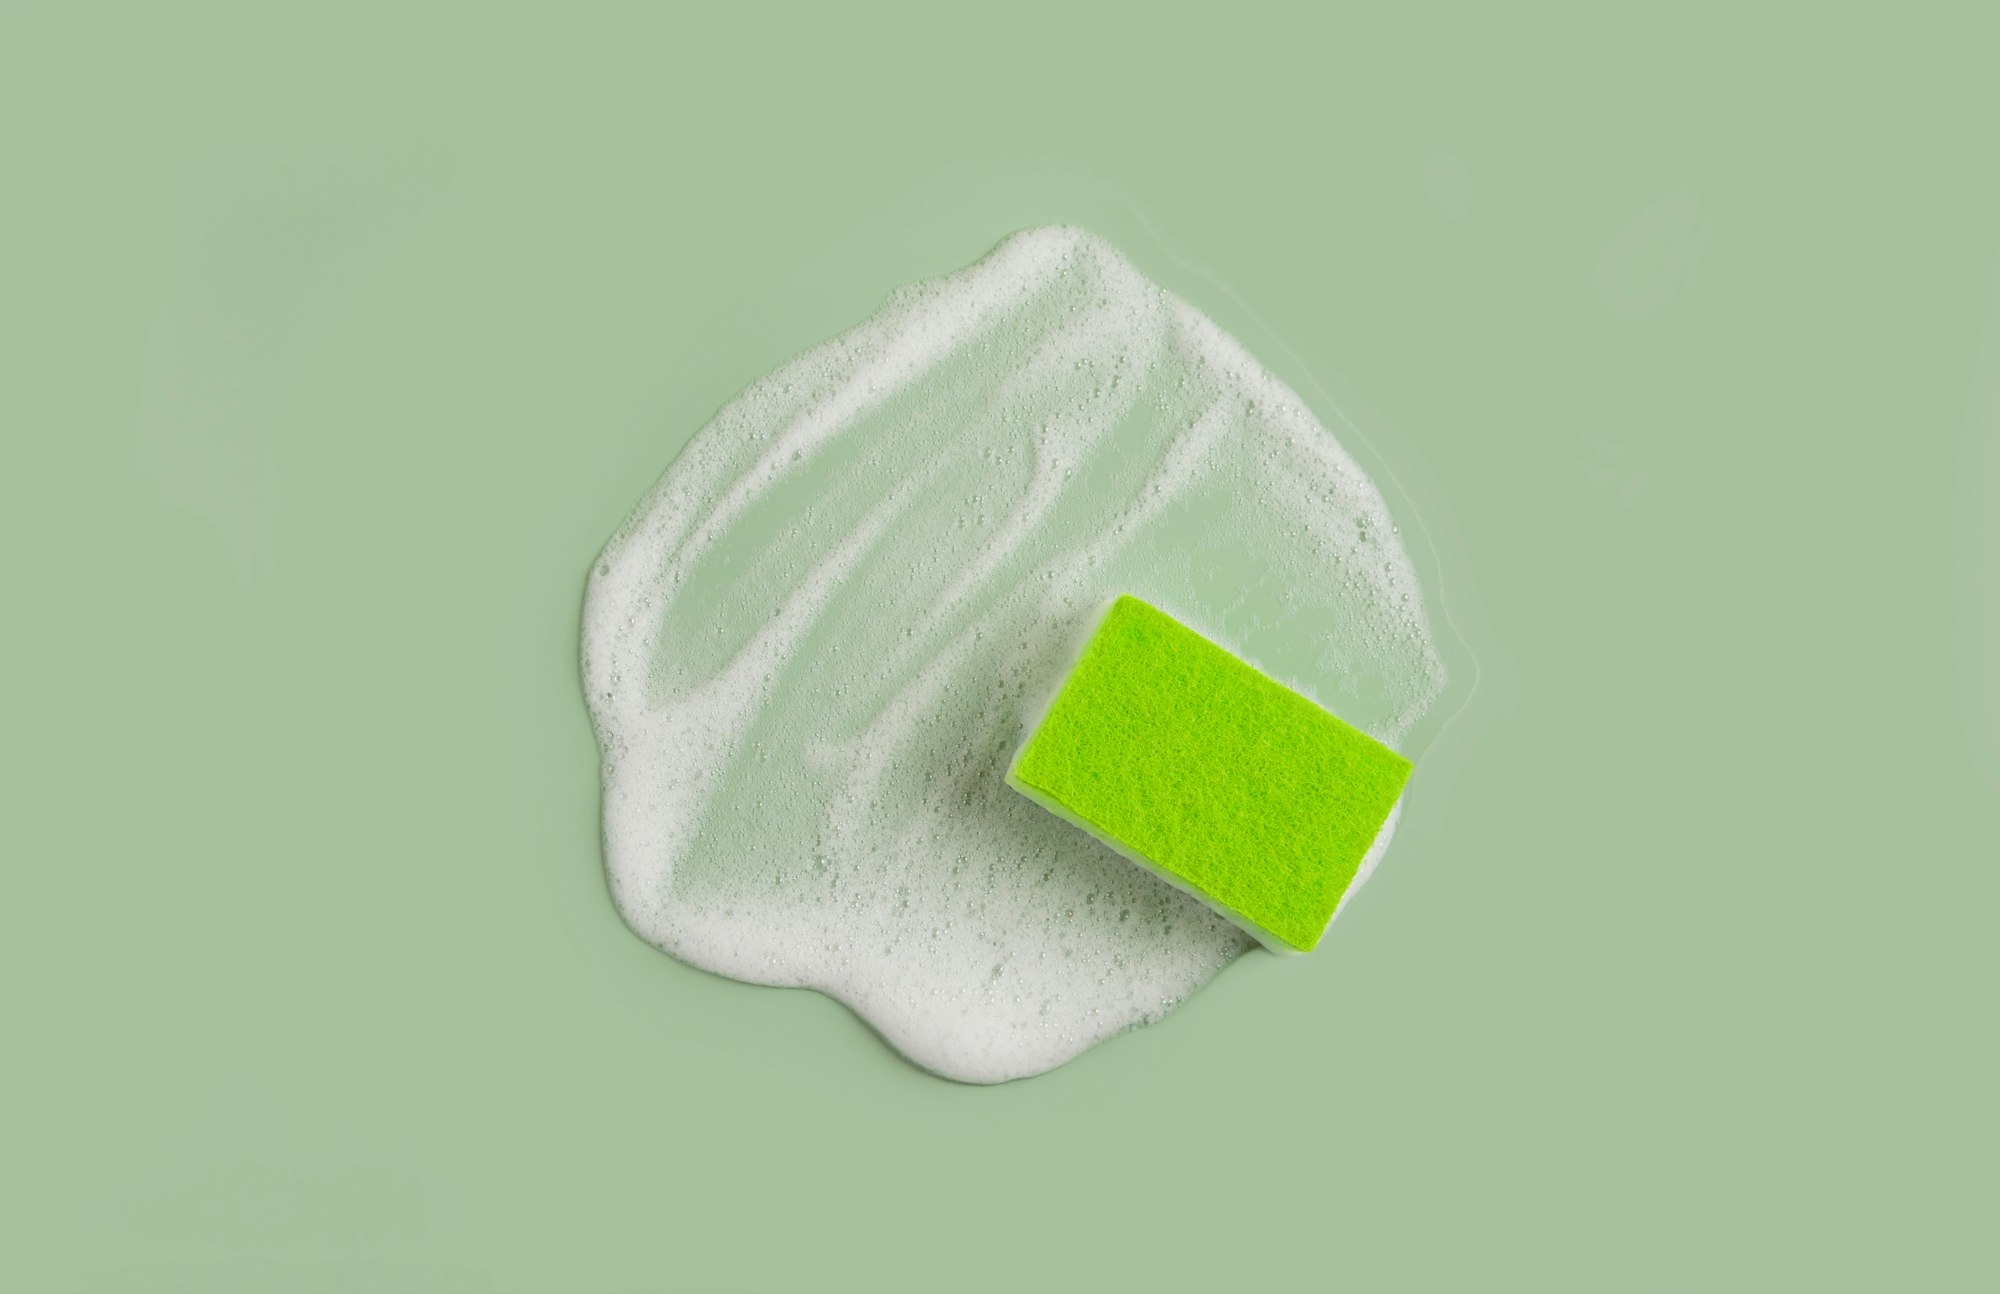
(333, 346)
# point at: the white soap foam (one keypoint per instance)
(810, 653)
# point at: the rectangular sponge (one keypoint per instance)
(1222, 781)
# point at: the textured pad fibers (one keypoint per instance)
(1225, 782)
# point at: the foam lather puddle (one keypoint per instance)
(811, 651)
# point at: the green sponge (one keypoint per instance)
(1222, 781)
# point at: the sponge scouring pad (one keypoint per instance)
(1224, 782)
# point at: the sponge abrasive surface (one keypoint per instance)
(1222, 780)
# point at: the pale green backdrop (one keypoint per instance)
(333, 344)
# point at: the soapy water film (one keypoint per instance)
(811, 652)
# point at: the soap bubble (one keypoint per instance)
(814, 647)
